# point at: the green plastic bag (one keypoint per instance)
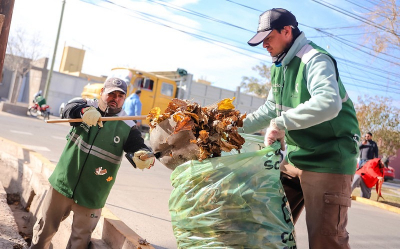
(233, 201)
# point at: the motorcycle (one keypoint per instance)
(43, 110)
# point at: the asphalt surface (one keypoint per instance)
(140, 198)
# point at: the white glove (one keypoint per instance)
(91, 116)
(274, 134)
(143, 164)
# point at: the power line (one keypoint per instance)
(368, 82)
(169, 5)
(207, 39)
(370, 88)
(331, 35)
(340, 35)
(357, 17)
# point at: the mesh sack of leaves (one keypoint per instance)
(186, 131)
(232, 201)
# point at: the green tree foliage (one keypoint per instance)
(379, 116)
(259, 87)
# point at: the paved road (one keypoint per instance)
(140, 198)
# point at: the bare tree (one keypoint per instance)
(259, 87)
(21, 51)
(386, 25)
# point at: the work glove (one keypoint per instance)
(142, 161)
(91, 116)
(274, 134)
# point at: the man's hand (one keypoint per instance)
(142, 161)
(274, 134)
(91, 116)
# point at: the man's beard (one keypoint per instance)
(108, 110)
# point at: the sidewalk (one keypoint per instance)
(25, 172)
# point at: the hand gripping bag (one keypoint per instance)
(232, 201)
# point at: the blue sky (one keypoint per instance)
(208, 38)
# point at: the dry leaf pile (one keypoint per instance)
(214, 127)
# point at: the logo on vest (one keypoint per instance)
(100, 171)
(275, 86)
(117, 139)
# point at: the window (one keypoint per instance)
(144, 83)
(138, 82)
(167, 89)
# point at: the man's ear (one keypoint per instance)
(288, 30)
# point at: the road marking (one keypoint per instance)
(22, 132)
(36, 148)
(61, 138)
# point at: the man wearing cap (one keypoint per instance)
(88, 166)
(308, 107)
(133, 106)
(369, 175)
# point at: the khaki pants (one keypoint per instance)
(56, 208)
(326, 199)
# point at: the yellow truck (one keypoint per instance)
(156, 90)
(159, 88)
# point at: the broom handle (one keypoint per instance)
(77, 120)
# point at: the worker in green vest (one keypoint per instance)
(309, 109)
(88, 166)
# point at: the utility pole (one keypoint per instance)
(47, 86)
(6, 11)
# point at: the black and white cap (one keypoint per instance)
(270, 20)
(115, 84)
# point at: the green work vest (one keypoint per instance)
(329, 147)
(89, 163)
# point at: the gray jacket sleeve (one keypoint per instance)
(261, 117)
(325, 102)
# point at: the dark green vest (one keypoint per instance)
(89, 163)
(329, 147)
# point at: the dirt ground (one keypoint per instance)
(21, 216)
(9, 237)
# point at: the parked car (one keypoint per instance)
(388, 173)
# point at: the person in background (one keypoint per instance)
(308, 107)
(39, 99)
(369, 175)
(88, 166)
(133, 106)
(368, 150)
(39, 93)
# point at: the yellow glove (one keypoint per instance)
(143, 164)
(91, 116)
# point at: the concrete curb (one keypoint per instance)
(26, 172)
(9, 236)
(376, 204)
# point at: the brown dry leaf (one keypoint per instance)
(154, 113)
(214, 127)
(225, 146)
(143, 242)
(203, 136)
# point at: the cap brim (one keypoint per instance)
(258, 38)
(113, 89)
